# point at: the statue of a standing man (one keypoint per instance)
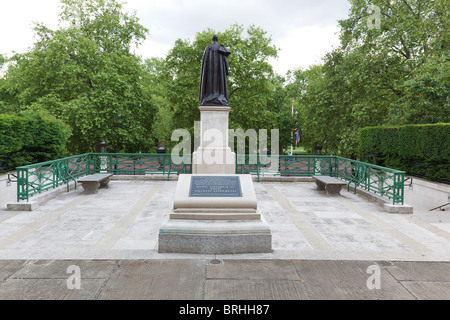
(213, 79)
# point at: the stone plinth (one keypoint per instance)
(214, 237)
(214, 156)
(215, 225)
(22, 206)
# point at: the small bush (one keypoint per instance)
(422, 149)
(31, 137)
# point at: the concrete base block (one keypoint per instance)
(182, 201)
(215, 225)
(216, 160)
(22, 206)
(215, 244)
(214, 237)
(91, 187)
(214, 156)
(391, 208)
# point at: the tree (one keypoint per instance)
(394, 73)
(412, 33)
(427, 94)
(29, 137)
(311, 90)
(85, 74)
(156, 88)
(256, 94)
(105, 22)
(410, 29)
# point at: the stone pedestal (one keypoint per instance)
(215, 225)
(214, 210)
(214, 155)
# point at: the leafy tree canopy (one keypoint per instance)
(86, 74)
(256, 94)
(391, 67)
(394, 72)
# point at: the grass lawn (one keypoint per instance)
(298, 150)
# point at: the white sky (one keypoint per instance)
(304, 30)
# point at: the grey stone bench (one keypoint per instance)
(93, 182)
(330, 184)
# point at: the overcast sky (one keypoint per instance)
(304, 30)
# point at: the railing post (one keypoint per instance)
(314, 165)
(88, 164)
(167, 158)
(336, 166)
(309, 167)
(94, 167)
(400, 188)
(330, 166)
(54, 177)
(22, 183)
(257, 165)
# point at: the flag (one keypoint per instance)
(297, 136)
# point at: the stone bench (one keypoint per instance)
(330, 184)
(93, 182)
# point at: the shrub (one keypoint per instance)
(31, 137)
(422, 149)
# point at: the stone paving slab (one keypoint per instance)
(429, 290)
(255, 290)
(123, 221)
(156, 279)
(229, 280)
(348, 280)
(322, 247)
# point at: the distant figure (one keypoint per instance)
(213, 79)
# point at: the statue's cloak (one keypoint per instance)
(213, 79)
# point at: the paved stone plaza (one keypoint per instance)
(122, 222)
(322, 248)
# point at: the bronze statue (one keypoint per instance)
(213, 79)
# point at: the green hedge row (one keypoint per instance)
(31, 137)
(422, 150)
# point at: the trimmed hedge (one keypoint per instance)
(31, 137)
(422, 149)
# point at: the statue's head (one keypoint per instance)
(215, 38)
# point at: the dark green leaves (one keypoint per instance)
(85, 74)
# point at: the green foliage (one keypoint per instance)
(397, 74)
(106, 22)
(85, 74)
(257, 97)
(30, 137)
(427, 94)
(12, 127)
(418, 149)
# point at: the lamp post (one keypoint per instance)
(103, 147)
(161, 159)
(103, 159)
(318, 149)
(161, 149)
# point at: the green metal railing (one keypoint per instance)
(43, 176)
(383, 181)
(303, 165)
(33, 179)
(138, 164)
